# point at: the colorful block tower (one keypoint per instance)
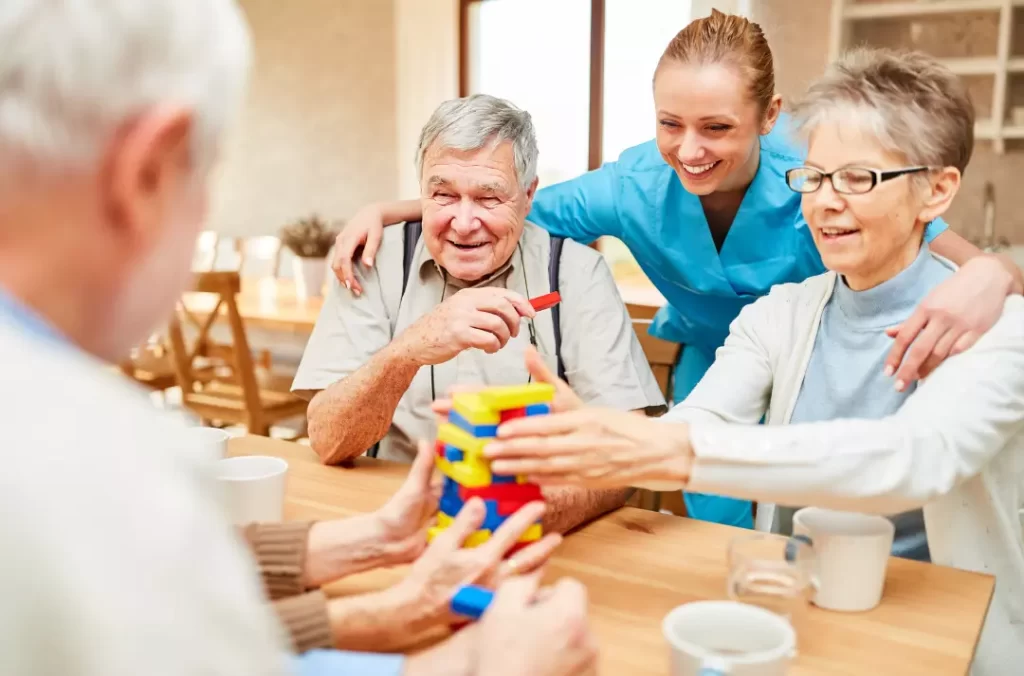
(472, 423)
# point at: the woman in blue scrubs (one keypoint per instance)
(706, 212)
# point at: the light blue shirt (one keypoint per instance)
(344, 663)
(640, 200)
(845, 377)
(14, 312)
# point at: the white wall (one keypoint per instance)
(318, 132)
(426, 73)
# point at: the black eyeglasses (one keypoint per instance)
(849, 180)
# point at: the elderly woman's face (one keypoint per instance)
(868, 237)
(473, 208)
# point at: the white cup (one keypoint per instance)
(852, 552)
(718, 638)
(209, 442)
(253, 487)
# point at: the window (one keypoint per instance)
(513, 47)
(539, 55)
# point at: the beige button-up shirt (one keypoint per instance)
(604, 362)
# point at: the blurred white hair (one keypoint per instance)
(472, 122)
(72, 72)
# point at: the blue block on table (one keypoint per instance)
(538, 409)
(503, 478)
(493, 519)
(450, 487)
(451, 504)
(453, 454)
(471, 601)
(478, 431)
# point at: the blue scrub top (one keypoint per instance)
(640, 200)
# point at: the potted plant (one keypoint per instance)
(310, 239)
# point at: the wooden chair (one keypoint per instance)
(151, 366)
(236, 398)
(661, 356)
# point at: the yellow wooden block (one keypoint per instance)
(471, 407)
(521, 479)
(468, 474)
(532, 533)
(478, 538)
(443, 520)
(432, 532)
(461, 439)
(517, 396)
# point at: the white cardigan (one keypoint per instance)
(955, 447)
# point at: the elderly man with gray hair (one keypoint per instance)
(117, 558)
(447, 304)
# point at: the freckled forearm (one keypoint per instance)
(571, 506)
(353, 414)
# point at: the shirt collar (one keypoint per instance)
(427, 262)
(24, 318)
(890, 302)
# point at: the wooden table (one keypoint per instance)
(638, 565)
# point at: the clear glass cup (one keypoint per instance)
(772, 571)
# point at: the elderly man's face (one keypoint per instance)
(473, 208)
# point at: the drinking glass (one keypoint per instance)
(772, 571)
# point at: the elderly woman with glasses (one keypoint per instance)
(889, 136)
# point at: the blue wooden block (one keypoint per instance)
(503, 478)
(471, 601)
(451, 504)
(538, 409)
(478, 431)
(453, 454)
(493, 519)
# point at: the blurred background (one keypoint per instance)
(341, 88)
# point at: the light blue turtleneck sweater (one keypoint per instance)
(845, 377)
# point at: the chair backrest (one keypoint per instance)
(226, 285)
(661, 355)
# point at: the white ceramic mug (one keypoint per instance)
(209, 442)
(852, 552)
(718, 638)
(253, 487)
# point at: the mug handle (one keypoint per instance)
(714, 666)
(791, 546)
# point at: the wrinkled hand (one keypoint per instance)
(365, 230)
(446, 565)
(565, 399)
(484, 318)
(526, 633)
(592, 447)
(949, 321)
(403, 519)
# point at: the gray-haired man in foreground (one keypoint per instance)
(117, 560)
(447, 304)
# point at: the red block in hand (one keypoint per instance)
(510, 507)
(439, 448)
(546, 301)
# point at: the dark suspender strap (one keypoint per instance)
(413, 229)
(554, 263)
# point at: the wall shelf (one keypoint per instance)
(999, 66)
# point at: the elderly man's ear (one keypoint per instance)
(530, 192)
(147, 166)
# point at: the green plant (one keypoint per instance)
(308, 237)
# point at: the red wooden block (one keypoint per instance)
(503, 492)
(510, 507)
(512, 413)
(546, 301)
(439, 448)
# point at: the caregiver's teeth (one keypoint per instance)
(836, 231)
(698, 168)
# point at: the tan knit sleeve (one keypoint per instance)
(305, 617)
(280, 550)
